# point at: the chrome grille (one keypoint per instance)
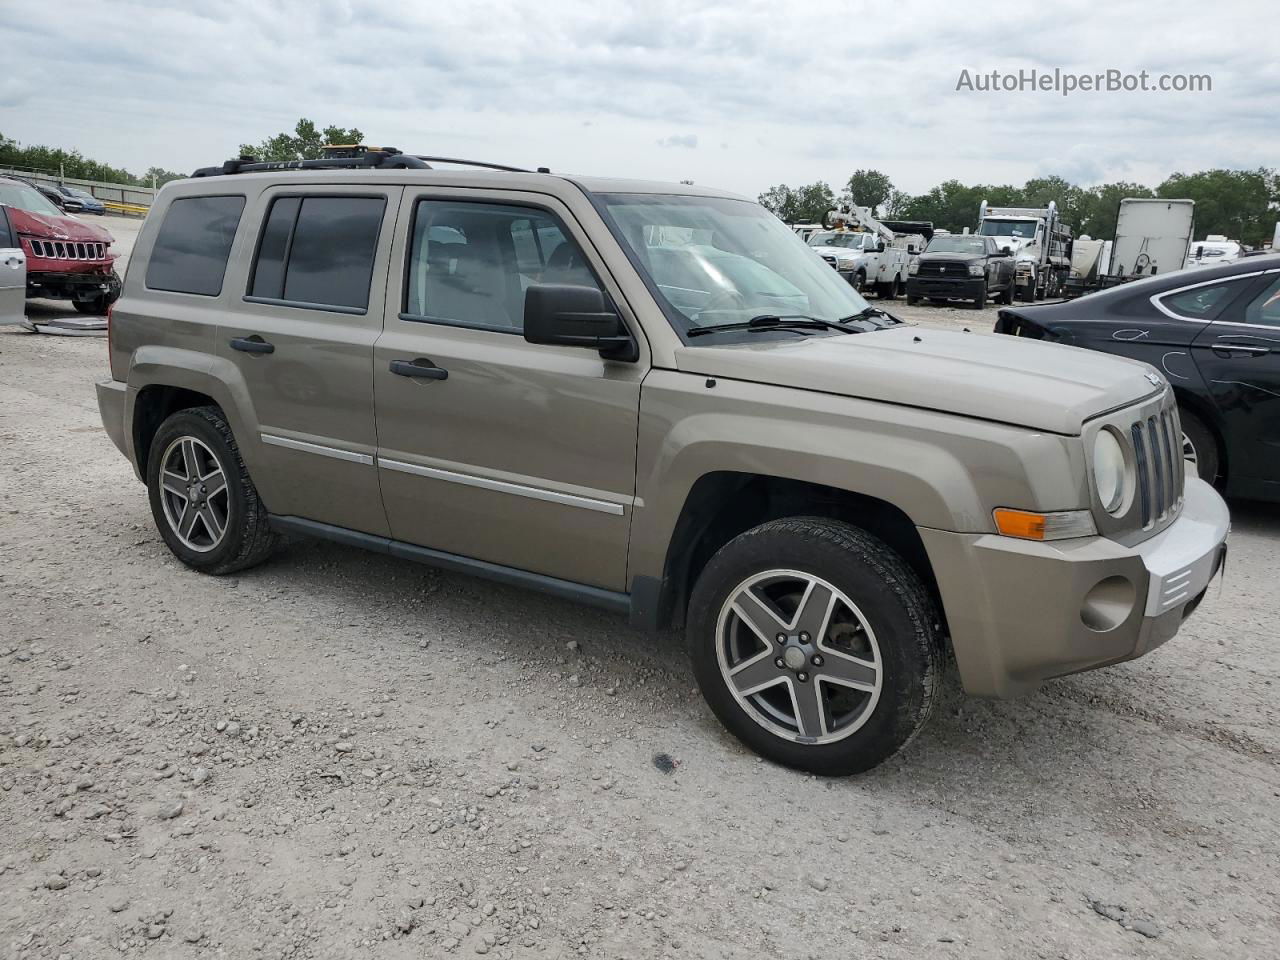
(67, 249)
(1157, 448)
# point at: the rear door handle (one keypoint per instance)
(252, 344)
(1225, 348)
(421, 367)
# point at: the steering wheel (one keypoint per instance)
(727, 299)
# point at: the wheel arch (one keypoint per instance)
(1205, 410)
(723, 504)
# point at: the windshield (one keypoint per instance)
(21, 197)
(855, 241)
(712, 261)
(1026, 229)
(956, 245)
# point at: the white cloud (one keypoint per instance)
(598, 87)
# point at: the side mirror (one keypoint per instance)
(1006, 251)
(879, 246)
(571, 316)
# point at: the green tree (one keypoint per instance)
(304, 143)
(868, 188)
(807, 204)
(160, 176)
(1236, 203)
(1100, 205)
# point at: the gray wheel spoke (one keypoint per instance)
(811, 716)
(214, 484)
(187, 521)
(213, 525)
(755, 614)
(173, 483)
(815, 610)
(848, 671)
(755, 674)
(190, 459)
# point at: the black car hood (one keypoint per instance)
(950, 257)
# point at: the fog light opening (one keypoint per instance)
(1108, 604)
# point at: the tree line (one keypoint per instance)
(1241, 204)
(303, 143)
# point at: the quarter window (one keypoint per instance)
(1265, 308)
(192, 246)
(1200, 303)
(471, 263)
(318, 251)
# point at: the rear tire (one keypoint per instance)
(890, 290)
(1199, 447)
(203, 502)
(871, 624)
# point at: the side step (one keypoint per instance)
(566, 589)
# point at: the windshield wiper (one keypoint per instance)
(867, 313)
(772, 321)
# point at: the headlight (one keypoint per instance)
(913, 268)
(1110, 471)
(976, 270)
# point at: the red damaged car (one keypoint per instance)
(67, 259)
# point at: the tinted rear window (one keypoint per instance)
(319, 250)
(191, 249)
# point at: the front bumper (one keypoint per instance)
(1020, 612)
(962, 288)
(72, 285)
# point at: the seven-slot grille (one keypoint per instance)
(1157, 449)
(68, 249)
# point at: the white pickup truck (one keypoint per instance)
(863, 251)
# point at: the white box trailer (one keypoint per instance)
(1152, 236)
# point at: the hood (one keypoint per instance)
(1027, 383)
(948, 257)
(55, 228)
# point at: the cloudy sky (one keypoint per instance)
(739, 95)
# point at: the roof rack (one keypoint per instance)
(351, 157)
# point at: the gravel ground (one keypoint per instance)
(339, 755)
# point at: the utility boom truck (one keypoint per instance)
(865, 251)
(1041, 245)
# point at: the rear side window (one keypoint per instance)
(191, 249)
(7, 238)
(318, 251)
(1200, 303)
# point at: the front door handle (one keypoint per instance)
(252, 344)
(1225, 348)
(421, 367)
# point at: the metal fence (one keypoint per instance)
(119, 198)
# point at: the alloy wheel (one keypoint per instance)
(799, 656)
(1189, 453)
(194, 494)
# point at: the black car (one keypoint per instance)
(962, 266)
(1215, 334)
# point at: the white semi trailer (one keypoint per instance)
(1152, 236)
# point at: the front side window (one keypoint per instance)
(740, 262)
(471, 263)
(1265, 308)
(191, 249)
(318, 251)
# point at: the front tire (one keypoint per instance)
(980, 300)
(205, 506)
(815, 644)
(1199, 447)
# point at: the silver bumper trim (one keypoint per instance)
(1183, 557)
